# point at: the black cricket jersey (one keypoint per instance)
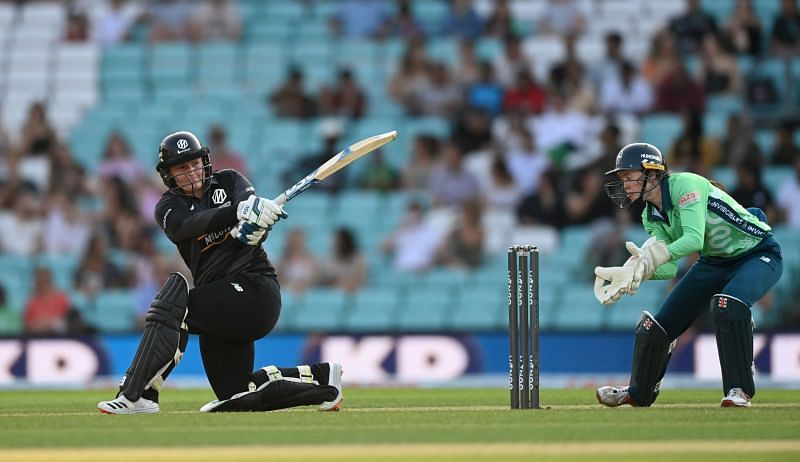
(201, 229)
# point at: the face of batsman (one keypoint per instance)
(189, 176)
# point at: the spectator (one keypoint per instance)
(743, 29)
(10, 322)
(784, 151)
(508, 65)
(411, 78)
(609, 66)
(738, 145)
(527, 163)
(47, 308)
(500, 192)
(606, 246)
(378, 175)
(37, 141)
(500, 22)
(358, 19)
(346, 98)
(560, 126)
(610, 145)
(21, 228)
(77, 28)
(562, 17)
(68, 176)
(486, 93)
(627, 93)
(451, 184)
(112, 22)
(469, 68)
(789, 199)
(690, 28)
(403, 24)
(96, 272)
(169, 19)
(580, 91)
(5, 140)
(120, 211)
(346, 269)
(150, 273)
(719, 69)
(298, 269)
(66, 228)
(692, 150)
(750, 190)
(424, 154)
(215, 20)
(586, 201)
(545, 207)
(662, 60)
(526, 96)
(414, 242)
(786, 29)
(117, 160)
(462, 21)
(472, 131)
(443, 96)
(678, 92)
(463, 247)
(223, 155)
(290, 99)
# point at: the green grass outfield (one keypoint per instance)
(403, 425)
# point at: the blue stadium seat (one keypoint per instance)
(113, 311)
(373, 310)
(323, 310)
(427, 310)
(661, 129)
(579, 310)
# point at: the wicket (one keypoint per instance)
(523, 326)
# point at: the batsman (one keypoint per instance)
(739, 262)
(218, 225)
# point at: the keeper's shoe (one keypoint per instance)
(334, 380)
(736, 398)
(121, 405)
(613, 396)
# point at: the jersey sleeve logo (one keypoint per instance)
(164, 220)
(688, 198)
(219, 196)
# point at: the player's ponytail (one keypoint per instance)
(717, 185)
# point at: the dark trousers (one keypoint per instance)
(229, 315)
(747, 278)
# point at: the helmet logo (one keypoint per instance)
(219, 196)
(182, 145)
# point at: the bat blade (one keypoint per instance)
(339, 161)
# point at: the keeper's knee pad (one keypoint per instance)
(651, 354)
(163, 340)
(733, 326)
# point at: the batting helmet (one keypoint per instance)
(177, 148)
(636, 156)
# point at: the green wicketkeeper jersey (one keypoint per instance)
(698, 216)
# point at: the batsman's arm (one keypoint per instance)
(179, 223)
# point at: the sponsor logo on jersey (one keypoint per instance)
(237, 287)
(219, 196)
(688, 198)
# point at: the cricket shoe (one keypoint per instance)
(736, 398)
(334, 380)
(613, 396)
(122, 405)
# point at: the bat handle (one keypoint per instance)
(280, 200)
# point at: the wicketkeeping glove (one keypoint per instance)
(620, 281)
(248, 233)
(649, 257)
(259, 211)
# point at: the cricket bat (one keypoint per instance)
(334, 164)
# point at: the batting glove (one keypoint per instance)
(259, 211)
(248, 233)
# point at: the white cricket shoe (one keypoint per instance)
(613, 396)
(736, 398)
(334, 379)
(122, 405)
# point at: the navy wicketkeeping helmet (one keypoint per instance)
(177, 148)
(636, 156)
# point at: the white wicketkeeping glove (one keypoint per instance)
(248, 233)
(259, 211)
(620, 281)
(652, 254)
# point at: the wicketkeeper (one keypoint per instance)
(739, 262)
(218, 224)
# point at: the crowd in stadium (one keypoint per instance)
(525, 140)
